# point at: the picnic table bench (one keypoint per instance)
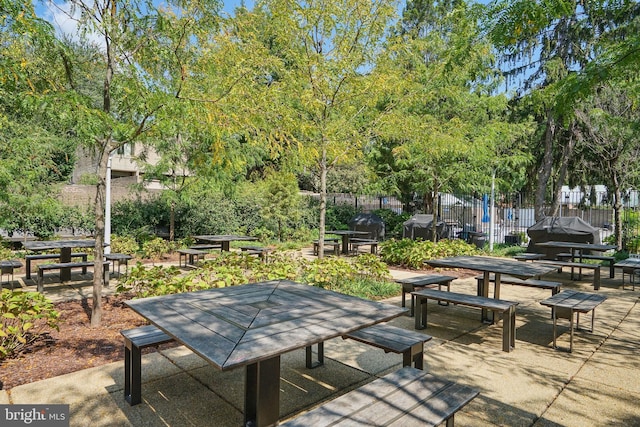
(528, 257)
(58, 266)
(574, 265)
(193, 256)
(356, 243)
(410, 284)
(406, 397)
(566, 303)
(532, 283)
(610, 259)
(261, 251)
(7, 267)
(206, 246)
(332, 243)
(134, 341)
(389, 338)
(497, 306)
(34, 257)
(121, 259)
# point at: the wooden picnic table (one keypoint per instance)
(64, 246)
(252, 325)
(492, 266)
(346, 237)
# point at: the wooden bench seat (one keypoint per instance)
(387, 337)
(532, 283)
(610, 259)
(206, 246)
(57, 266)
(192, 255)
(121, 259)
(498, 306)
(528, 257)
(355, 245)
(35, 257)
(134, 341)
(579, 266)
(261, 251)
(332, 243)
(410, 284)
(406, 397)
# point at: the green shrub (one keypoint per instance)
(412, 253)
(6, 253)
(338, 216)
(25, 317)
(146, 282)
(155, 248)
(369, 288)
(393, 222)
(124, 245)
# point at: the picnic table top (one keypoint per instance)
(245, 324)
(43, 245)
(222, 237)
(578, 301)
(493, 265)
(577, 245)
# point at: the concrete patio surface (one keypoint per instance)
(534, 385)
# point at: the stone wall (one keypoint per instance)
(84, 196)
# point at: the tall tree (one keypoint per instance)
(448, 131)
(610, 127)
(313, 87)
(145, 53)
(37, 151)
(543, 42)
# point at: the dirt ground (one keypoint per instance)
(75, 346)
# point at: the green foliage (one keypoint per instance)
(338, 216)
(155, 248)
(24, 318)
(281, 204)
(368, 288)
(364, 275)
(333, 273)
(144, 282)
(5, 253)
(124, 245)
(392, 221)
(77, 218)
(412, 253)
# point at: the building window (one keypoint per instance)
(125, 150)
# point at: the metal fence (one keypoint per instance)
(513, 213)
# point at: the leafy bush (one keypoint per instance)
(24, 318)
(155, 248)
(146, 282)
(6, 253)
(393, 222)
(364, 276)
(338, 216)
(412, 253)
(124, 245)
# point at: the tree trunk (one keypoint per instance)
(323, 203)
(617, 209)
(546, 166)
(98, 252)
(563, 170)
(172, 222)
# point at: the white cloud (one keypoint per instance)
(65, 21)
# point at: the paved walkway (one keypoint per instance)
(534, 385)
